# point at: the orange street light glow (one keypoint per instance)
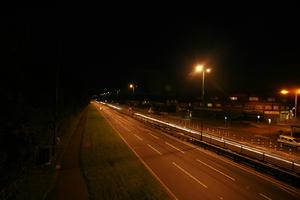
(297, 91)
(131, 85)
(208, 70)
(199, 68)
(284, 91)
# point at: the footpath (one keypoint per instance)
(69, 182)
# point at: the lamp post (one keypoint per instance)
(131, 85)
(56, 111)
(198, 69)
(296, 98)
(201, 68)
(258, 117)
(269, 121)
(296, 95)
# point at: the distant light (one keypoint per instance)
(208, 70)
(297, 91)
(270, 99)
(284, 91)
(253, 99)
(225, 117)
(258, 116)
(199, 68)
(233, 98)
(209, 105)
(269, 120)
(131, 85)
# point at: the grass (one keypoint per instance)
(111, 169)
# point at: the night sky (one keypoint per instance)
(252, 51)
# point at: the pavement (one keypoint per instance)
(69, 183)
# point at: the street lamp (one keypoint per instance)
(269, 121)
(203, 69)
(297, 91)
(131, 85)
(258, 117)
(199, 69)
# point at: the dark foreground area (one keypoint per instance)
(39, 110)
(92, 162)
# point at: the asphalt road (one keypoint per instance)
(189, 172)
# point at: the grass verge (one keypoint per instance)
(111, 169)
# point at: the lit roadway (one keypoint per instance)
(189, 172)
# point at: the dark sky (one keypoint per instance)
(249, 50)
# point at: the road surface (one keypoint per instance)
(189, 172)
(257, 135)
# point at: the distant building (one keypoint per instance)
(245, 106)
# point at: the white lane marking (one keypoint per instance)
(138, 137)
(174, 147)
(187, 173)
(215, 169)
(282, 186)
(154, 149)
(140, 158)
(153, 135)
(264, 196)
(127, 129)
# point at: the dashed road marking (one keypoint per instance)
(216, 170)
(174, 147)
(187, 173)
(154, 149)
(153, 135)
(264, 196)
(138, 137)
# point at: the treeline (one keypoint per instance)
(35, 99)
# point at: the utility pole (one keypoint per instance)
(55, 110)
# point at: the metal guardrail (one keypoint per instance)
(276, 166)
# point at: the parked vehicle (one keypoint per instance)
(289, 141)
